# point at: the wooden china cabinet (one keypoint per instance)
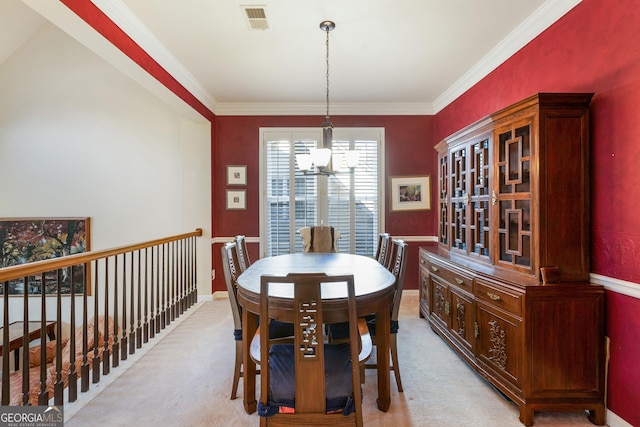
(508, 287)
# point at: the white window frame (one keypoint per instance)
(316, 133)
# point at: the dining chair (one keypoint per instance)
(277, 329)
(398, 266)
(229, 263)
(384, 244)
(309, 381)
(243, 256)
(320, 238)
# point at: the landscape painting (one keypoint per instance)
(24, 240)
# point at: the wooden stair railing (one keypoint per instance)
(130, 293)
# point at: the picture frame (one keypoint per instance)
(236, 199)
(25, 240)
(237, 175)
(410, 193)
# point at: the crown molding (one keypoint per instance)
(319, 109)
(540, 20)
(119, 13)
(530, 28)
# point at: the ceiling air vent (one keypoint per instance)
(256, 17)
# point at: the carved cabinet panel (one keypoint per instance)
(499, 340)
(441, 307)
(463, 326)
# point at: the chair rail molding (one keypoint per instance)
(624, 287)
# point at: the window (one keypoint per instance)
(349, 201)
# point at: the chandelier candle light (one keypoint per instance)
(320, 157)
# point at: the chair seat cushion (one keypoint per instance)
(371, 323)
(340, 331)
(276, 330)
(337, 359)
(280, 329)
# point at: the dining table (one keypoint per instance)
(374, 291)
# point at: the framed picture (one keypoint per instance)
(410, 193)
(25, 240)
(236, 199)
(237, 175)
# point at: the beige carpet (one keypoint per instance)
(185, 380)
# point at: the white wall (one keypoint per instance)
(78, 138)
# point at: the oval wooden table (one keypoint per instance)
(374, 287)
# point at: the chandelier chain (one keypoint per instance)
(327, 31)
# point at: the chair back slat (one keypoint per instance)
(243, 256)
(231, 273)
(384, 244)
(320, 238)
(398, 266)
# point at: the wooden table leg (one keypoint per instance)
(249, 326)
(383, 325)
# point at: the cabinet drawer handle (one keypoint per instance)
(459, 282)
(434, 268)
(493, 296)
(421, 261)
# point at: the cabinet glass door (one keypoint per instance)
(443, 200)
(480, 200)
(470, 198)
(514, 196)
(459, 199)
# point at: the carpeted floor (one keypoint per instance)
(185, 380)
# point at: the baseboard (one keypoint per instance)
(615, 421)
(217, 295)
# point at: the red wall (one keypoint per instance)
(408, 151)
(594, 48)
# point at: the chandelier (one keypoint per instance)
(321, 157)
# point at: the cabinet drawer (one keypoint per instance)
(451, 275)
(505, 298)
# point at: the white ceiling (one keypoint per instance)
(400, 56)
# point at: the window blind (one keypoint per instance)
(348, 201)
